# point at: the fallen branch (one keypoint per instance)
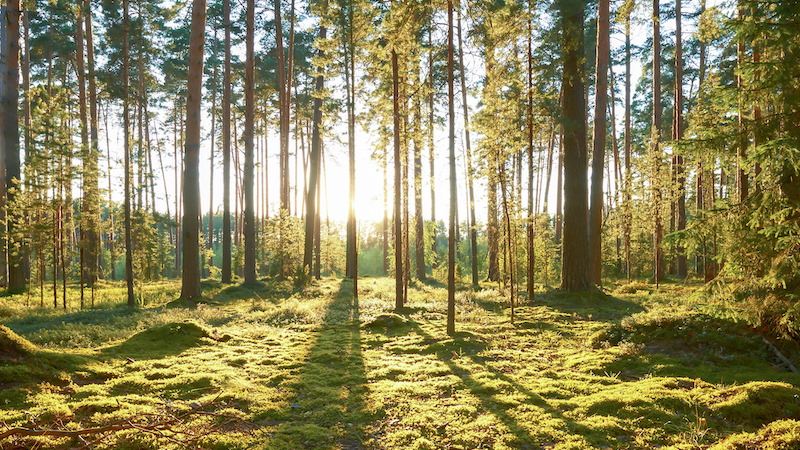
(780, 355)
(155, 427)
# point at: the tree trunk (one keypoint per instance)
(316, 148)
(451, 247)
(658, 254)
(250, 244)
(473, 230)
(431, 148)
(742, 182)
(575, 258)
(191, 178)
(677, 136)
(492, 229)
(350, 73)
(419, 226)
(284, 137)
(226, 148)
(598, 154)
(80, 69)
(210, 237)
(126, 125)
(627, 183)
(10, 103)
(398, 224)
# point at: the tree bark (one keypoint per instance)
(127, 133)
(191, 176)
(10, 104)
(473, 230)
(451, 247)
(658, 253)
(677, 136)
(398, 224)
(250, 244)
(574, 263)
(316, 148)
(599, 144)
(226, 148)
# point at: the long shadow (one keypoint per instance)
(327, 408)
(589, 306)
(497, 407)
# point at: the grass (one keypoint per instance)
(274, 367)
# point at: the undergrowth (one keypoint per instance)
(279, 366)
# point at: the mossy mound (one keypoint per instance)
(778, 435)
(388, 321)
(757, 403)
(156, 342)
(13, 348)
(678, 332)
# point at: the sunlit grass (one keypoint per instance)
(277, 367)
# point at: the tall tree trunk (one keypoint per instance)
(574, 262)
(492, 228)
(10, 104)
(226, 148)
(249, 149)
(451, 246)
(431, 149)
(677, 136)
(398, 224)
(191, 176)
(284, 137)
(473, 231)
(210, 236)
(316, 148)
(658, 253)
(531, 222)
(126, 125)
(742, 182)
(86, 227)
(92, 176)
(350, 73)
(419, 226)
(628, 220)
(385, 212)
(599, 145)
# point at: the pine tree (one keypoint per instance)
(190, 290)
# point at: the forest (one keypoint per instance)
(219, 224)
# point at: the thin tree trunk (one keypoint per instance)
(599, 144)
(451, 247)
(210, 237)
(126, 126)
(658, 254)
(678, 135)
(249, 149)
(284, 137)
(398, 224)
(473, 230)
(226, 148)
(316, 147)
(627, 180)
(431, 149)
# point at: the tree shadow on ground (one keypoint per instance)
(327, 403)
(497, 407)
(588, 305)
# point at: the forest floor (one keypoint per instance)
(273, 367)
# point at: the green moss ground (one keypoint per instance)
(270, 367)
